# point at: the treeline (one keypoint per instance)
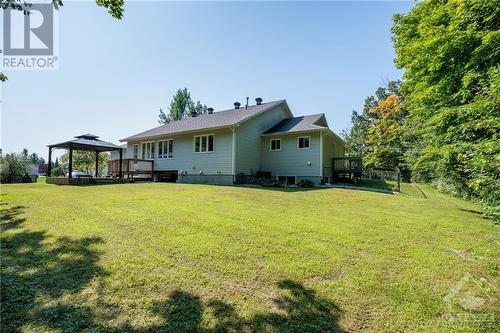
(441, 124)
(15, 167)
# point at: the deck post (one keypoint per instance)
(121, 161)
(153, 170)
(70, 164)
(96, 163)
(49, 166)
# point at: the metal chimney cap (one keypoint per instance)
(258, 100)
(237, 105)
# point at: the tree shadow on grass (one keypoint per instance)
(9, 217)
(38, 275)
(299, 310)
(43, 279)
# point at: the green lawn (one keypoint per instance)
(188, 258)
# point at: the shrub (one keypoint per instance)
(264, 181)
(270, 183)
(305, 183)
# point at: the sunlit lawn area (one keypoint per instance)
(188, 258)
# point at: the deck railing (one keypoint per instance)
(347, 164)
(131, 166)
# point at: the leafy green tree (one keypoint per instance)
(58, 169)
(357, 137)
(449, 51)
(14, 168)
(36, 160)
(84, 161)
(386, 134)
(181, 106)
(198, 108)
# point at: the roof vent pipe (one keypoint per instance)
(210, 110)
(258, 100)
(246, 105)
(237, 105)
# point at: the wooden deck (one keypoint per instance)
(346, 169)
(132, 168)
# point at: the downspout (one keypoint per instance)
(321, 155)
(233, 154)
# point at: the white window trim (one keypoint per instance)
(271, 144)
(158, 148)
(150, 158)
(138, 151)
(303, 137)
(203, 152)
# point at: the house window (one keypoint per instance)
(303, 142)
(288, 180)
(166, 148)
(148, 150)
(136, 151)
(204, 143)
(275, 144)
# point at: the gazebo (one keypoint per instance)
(87, 142)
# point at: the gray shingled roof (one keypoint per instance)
(297, 124)
(206, 121)
(87, 142)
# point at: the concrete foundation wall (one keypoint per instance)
(206, 179)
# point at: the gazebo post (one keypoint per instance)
(96, 163)
(70, 165)
(49, 166)
(120, 168)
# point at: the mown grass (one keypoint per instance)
(196, 258)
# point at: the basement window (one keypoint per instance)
(287, 180)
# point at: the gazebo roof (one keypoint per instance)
(87, 142)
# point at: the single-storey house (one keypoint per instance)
(226, 146)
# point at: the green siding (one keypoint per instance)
(332, 147)
(291, 161)
(184, 157)
(248, 139)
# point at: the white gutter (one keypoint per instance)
(321, 154)
(233, 154)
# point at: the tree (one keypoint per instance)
(357, 137)
(115, 9)
(14, 168)
(85, 161)
(36, 160)
(58, 169)
(386, 134)
(181, 106)
(449, 53)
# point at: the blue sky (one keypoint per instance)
(114, 75)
